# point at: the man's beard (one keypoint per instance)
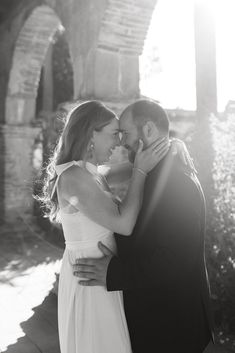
(132, 151)
(131, 155)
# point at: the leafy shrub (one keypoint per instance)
(213, 147)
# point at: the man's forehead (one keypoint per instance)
(126, 121)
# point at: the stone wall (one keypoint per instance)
(105, 39)
(9, 32)
(30, 51)
(18, 170)
(113, 67)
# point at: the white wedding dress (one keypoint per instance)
(90, 319)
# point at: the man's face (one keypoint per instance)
(130, 135)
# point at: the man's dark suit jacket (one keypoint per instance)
(161, 266)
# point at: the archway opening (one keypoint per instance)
(31, 91)
(167, 65)
(56, 78)
(42, 75)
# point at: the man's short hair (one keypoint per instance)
(145, 110)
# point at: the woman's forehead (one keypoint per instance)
(113, 125)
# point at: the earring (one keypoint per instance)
(90, 150)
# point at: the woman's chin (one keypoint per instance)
(104, 160)
(107, 158)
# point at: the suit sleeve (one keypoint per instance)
(176, 251)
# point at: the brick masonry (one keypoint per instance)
(29, 54)
(125, 25)
(18, 169)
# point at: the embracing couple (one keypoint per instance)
(133, 275)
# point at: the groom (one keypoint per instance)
(161, 266)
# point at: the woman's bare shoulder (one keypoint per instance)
(75, 176)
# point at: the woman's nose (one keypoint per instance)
(116, 141)
(118, 138)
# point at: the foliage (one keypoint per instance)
(62, 72)
(214, 149)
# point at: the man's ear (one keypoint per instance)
(150, 129)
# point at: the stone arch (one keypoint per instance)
(125, 25)
(31, 47)
(120, 42)
(35, 37)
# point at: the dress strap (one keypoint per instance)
(60, 168)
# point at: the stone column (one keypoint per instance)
(109, 75)
(47, 100)
(18, 175)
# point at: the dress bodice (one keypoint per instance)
(77, 227)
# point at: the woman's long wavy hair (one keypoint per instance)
(73, 144)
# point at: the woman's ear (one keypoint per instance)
(90, 147)
(93, 138)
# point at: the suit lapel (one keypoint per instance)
(155, 187)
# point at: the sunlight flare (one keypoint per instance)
(167, 65)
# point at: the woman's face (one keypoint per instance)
(105, 141)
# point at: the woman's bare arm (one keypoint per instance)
(80, 187)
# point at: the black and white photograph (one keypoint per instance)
(117, 176)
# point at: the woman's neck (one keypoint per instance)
(92, 160)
